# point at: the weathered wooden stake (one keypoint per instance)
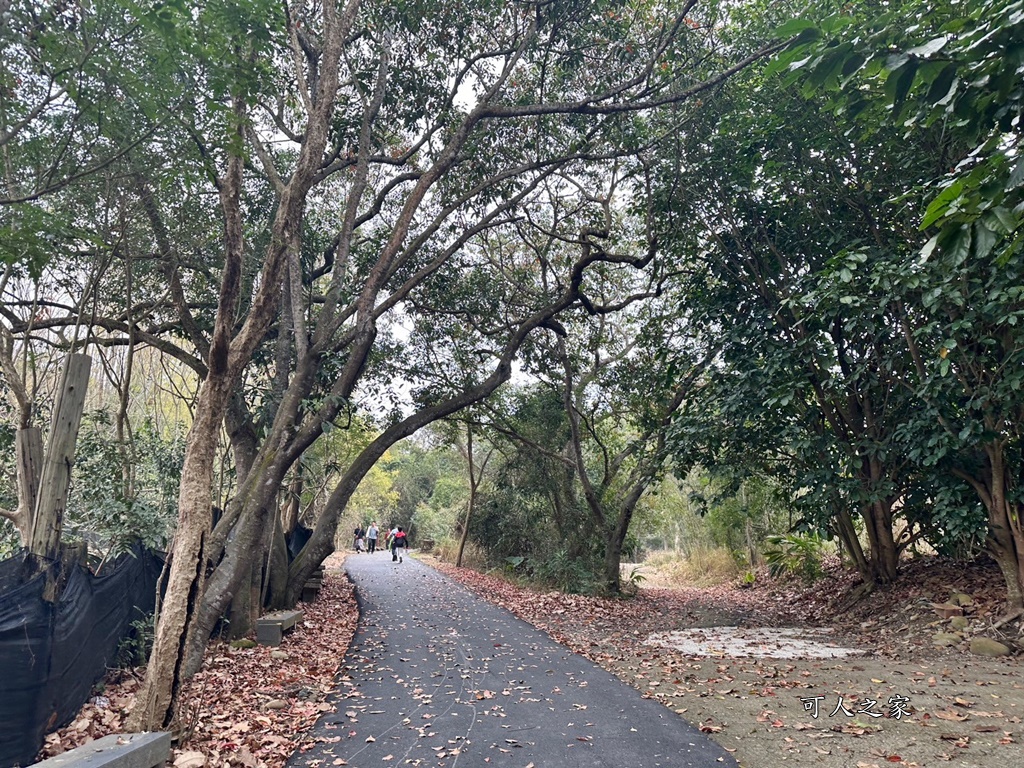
(52, 499)
(28, 448)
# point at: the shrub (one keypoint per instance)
(795, 554)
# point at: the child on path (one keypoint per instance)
(398, 541)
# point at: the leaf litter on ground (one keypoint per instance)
(225, 718)
(751, 706)
(757, 707)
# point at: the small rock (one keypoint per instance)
(959, 622)
(279, 655)
(986, 646)
(959, 598)
(947, 610)
(944, 639)
(277, 704)
(243, 643)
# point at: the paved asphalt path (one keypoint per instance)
(438, 677)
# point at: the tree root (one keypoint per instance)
(856, 595)
(1007, 619)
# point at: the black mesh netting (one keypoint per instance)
(52, 655)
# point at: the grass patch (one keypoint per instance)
(700, 568)
(447, 550)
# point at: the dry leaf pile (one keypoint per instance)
(247, 706)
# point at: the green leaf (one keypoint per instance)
(937, 208)
(853, 64)
(807, 36)
(782, 61)
(1008, 220)
(898, 85)
(1016, 175)
(942, 84)
(984, 240)
(794, 27)
(932, 46)
(959, 247)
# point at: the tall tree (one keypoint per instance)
(416, 130)
(414, 201)
(950, 68)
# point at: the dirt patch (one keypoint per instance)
(754, 642)
(903, 701)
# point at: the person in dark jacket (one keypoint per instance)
(398, 541)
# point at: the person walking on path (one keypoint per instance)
(371, 537)
(398, 541)
(358, 534)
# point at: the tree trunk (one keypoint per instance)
(617, 535)
(1006, 536)
(241, 618)
(614, 539)
(277, 571)
(1013, 573)
(294, 506)
(877, 515)
(52, 497)
(883, 553)
(465, 527)
(246, 549)
(472, 496)
(154, 708)
(242, 535)
(848, 537)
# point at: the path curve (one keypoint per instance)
(436, 676)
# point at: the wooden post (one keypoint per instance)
(28, 447)
(51, 502)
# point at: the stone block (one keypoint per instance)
(118, 750)
(270, 629)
